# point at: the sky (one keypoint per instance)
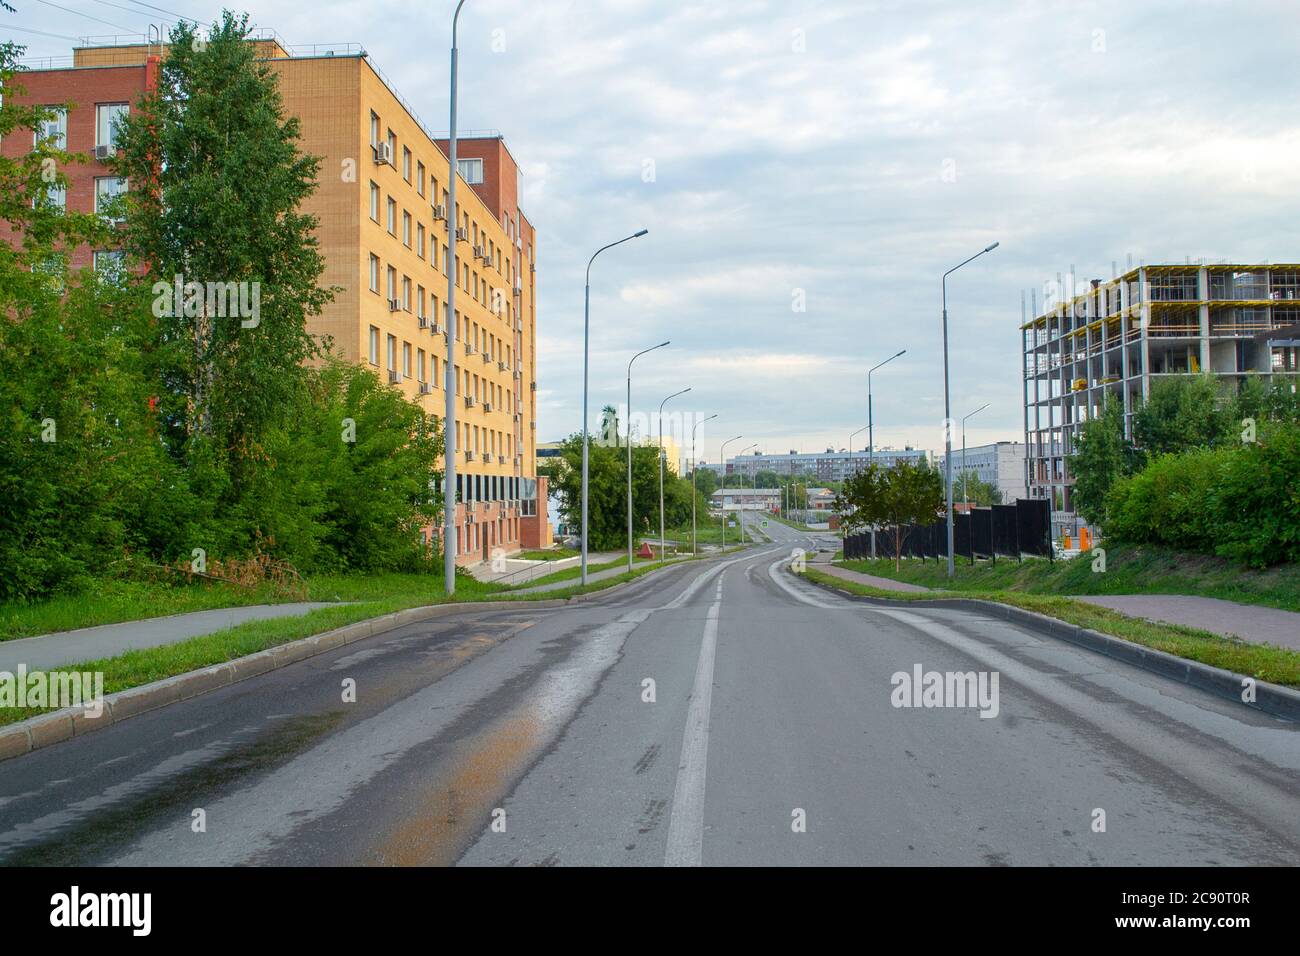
(808, 170)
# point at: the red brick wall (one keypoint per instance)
(83, 88)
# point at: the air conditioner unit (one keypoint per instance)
(469, 348)
(469, 456)
(487, 406)
(501, 459)
(383, 153)
(439, 212)
(461, 234)
(480, 252)
(518, 416)
(486, 456)
(486, 358)
(394, 376)
(436, 329)
(519, 287)
(501, 366)
(103, 152)
(424, 322)
(518, 374)
(469, 401)
(426, 388)
(394, 305)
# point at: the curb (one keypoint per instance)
(34, 733)
(1272, 699)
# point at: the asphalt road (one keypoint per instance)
(527, 736)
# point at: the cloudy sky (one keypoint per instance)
(839, 154)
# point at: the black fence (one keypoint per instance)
(1006, 530)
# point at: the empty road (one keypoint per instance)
(715, 713)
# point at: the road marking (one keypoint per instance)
(686, 825)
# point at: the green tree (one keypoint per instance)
(968, 486)
(1183, 412)
(607, 491)
(1102, 455)
(217, 181)
(904, 494)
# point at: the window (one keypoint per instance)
(107, 189)
(445, 256)
(406, 293)
(374, 128)
(55, 196)
(392, 145)
(108, 116)
(419, 178)
(374, 201)
(392, 283)
(406, 229)
(392, 353)
(392, 217)
(406, 164)
(374, 273)
(406, 359)
(419, 301)
(471, 170)
(374, 346)
(109, 263)
(54, 127)
(419, 239)
(419, 365)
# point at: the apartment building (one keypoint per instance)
(1000, 464)
(1109, 341)
(830, 465)
(382, 206)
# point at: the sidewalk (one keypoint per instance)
(520, 571)
(108, 640)
(1251, 623)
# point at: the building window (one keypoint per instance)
(392, 217)
(406, 229)
(446, 254)
(419, 301)
(108, 118)
(109, 263)
(392, 283)
(471, 170)
(374, 201)
(374, 128)
(374, 345)
(406, 359)
(419, 178)
(419, 365)
(392, 353)
(107, 189)
(392, 145)
(374, 273)
(53, 127)
(406, 164)
(419, 239)
(406, 293)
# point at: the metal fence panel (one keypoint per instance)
(1034, 526)
(981, 524)
(1004, 531)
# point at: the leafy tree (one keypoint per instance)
(968, 486)
(904, 494)
(607, 490)
(1183, 412)
(217, 182)
(706, 482)
(1102, 456)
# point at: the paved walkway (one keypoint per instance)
(885, 584)
(109, 640)
(521, 571)
(1248, 622)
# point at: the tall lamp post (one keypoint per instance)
(947, 405)
(449, 542)
(871, 431)
(858, 432)
(661, 467)
(722, 457)
(629, 447)
(586, 337)
(965, 481)
(695, 466)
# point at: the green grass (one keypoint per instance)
(547, 554)
(1130, 569)
(797, 525)
(1264, 662)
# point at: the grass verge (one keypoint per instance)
(1261, 661)
(1130, 569)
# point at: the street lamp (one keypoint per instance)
(629, 447)
(858, 432)
(695, 466)
(947, 406)
(871, 432)
(722, 457)
(586, 328)
(661, 467)
(449, 543)
(964, 479)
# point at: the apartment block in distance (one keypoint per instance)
(1114, 339)
(382, 206)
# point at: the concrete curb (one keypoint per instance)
(27, 735)
(1272, 699)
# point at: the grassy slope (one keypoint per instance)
(1130, 569)
(1278, 665)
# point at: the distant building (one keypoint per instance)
(1001, 464)
(750, 499)
(830, 465)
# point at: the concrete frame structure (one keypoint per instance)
(382, 185)
(1112, 340)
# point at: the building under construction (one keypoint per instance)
(1109, 341)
